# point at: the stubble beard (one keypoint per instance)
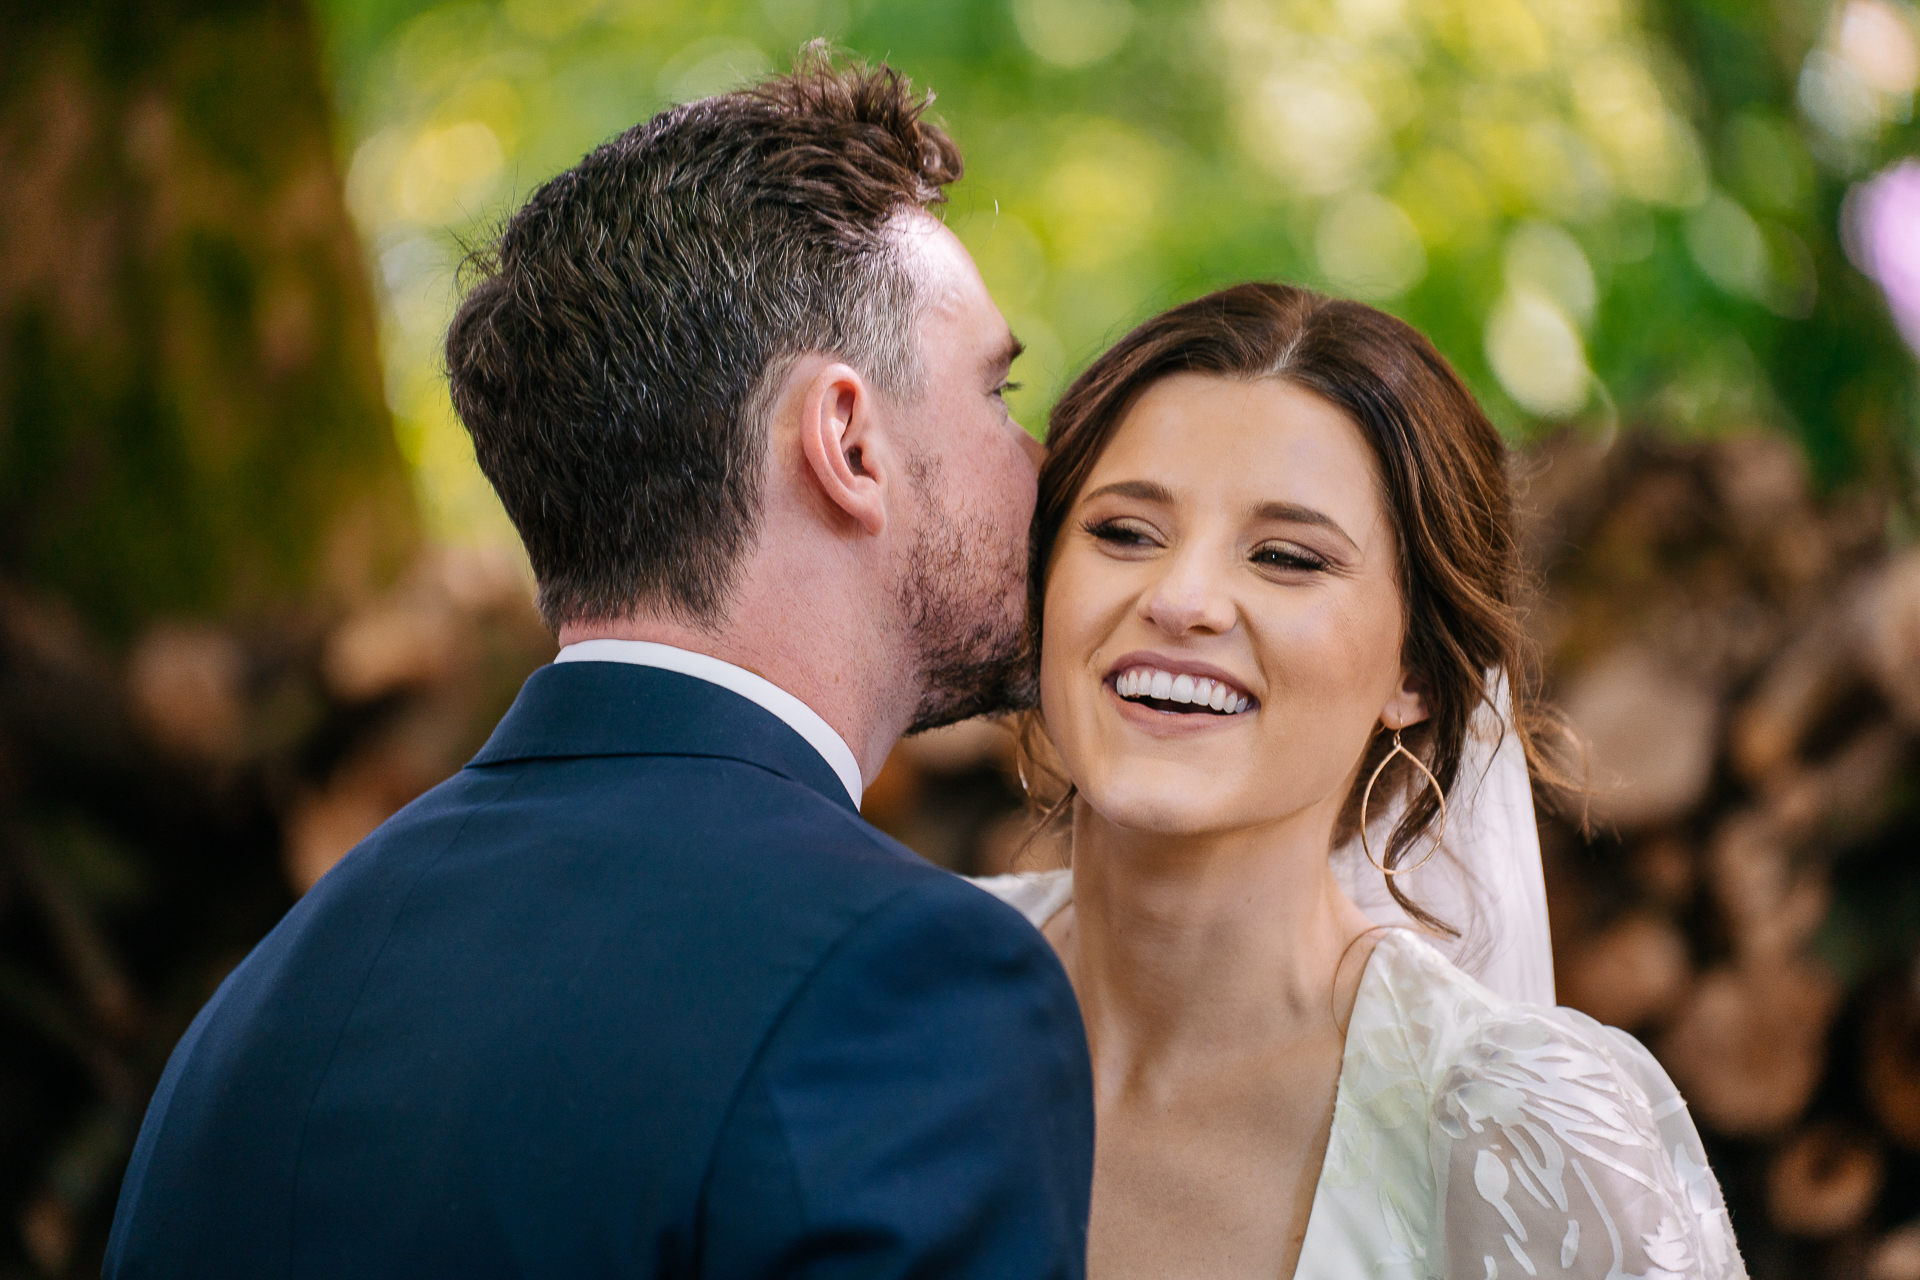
(964, 600)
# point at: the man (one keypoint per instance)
(638, 993)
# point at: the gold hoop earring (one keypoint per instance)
(1367, 795)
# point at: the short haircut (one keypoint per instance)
(616, 358)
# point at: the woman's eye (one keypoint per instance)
(1297, 559)
(1120, 533)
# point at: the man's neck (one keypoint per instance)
(791, 645)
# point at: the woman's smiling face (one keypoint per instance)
(1223, 613)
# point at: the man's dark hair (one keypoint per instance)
(617, 357)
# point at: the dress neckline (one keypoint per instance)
(1334, 1242)
(1341, 1092)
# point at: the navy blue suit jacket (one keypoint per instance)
(637, 993)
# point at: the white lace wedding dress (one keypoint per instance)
(1477, 1137)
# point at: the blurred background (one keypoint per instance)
(255, 595)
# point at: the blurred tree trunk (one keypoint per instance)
(191, 415)
(197, 475)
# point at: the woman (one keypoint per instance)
(1275, 569)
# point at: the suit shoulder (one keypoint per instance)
(937, 936)
(974, 912)
(814, 824)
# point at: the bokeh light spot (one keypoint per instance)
(1103, 195)
(1883, 238)
(448, 172)
(1544, 259)
(1314, 128)
(1537, 354)
(1368, 247)
(1729, 246)
(1877, 41)
(709, 66)
(1073, 33)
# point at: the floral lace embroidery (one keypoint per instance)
(1478, 1139)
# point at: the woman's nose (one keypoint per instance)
(1191, 596)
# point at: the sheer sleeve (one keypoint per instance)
(1561, 1149)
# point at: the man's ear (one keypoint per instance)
(839, 437)
(1408, 705)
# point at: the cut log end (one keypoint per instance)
(1748, 1047)
(1890, 1061)
(1631, 975)
(1824, 1181)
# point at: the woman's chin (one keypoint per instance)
(1162, 809)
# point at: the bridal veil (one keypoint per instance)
(1486, 878)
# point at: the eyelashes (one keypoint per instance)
(1288, 557)
(1117, 533)
(1293, 558)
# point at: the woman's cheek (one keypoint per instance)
(1074, 632)
(1056, 666)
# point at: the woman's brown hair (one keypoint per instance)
(1444, 480)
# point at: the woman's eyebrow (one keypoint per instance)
(1297, 514)
(1140, 490)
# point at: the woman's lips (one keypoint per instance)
(1163, 694)
(1179, 692)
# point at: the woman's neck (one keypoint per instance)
(1188, 950)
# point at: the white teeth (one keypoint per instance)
(1145, 682)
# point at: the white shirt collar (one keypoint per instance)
(797, 715)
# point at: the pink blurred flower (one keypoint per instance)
(1884, 236)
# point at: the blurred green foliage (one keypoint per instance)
(1602, 212)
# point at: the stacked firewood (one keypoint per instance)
(1742, 662)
